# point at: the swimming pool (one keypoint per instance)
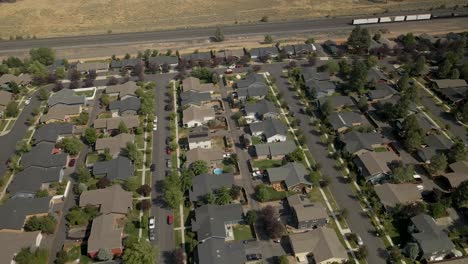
(218, 171)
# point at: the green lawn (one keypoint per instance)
(256, 140)
(104, 115)
(140, 141)
(242, 232)
(85, 93)
(3, 123)
(380, 149)
(92, 158)
(265, 164)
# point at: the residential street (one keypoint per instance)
(357, 219)
(164, 232)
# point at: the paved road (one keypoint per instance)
(164, 232)
(358, 221)
(276, 28)
(8, 142)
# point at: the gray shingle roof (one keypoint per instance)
(41, 156)
(14, 211)
(197, 56)
(269, 127)
(275, 148)
(356, 141)
(120, 168)
(194, 98)
(12, 242)
(252, 83)
(292, 174)
(217, 251)
(29, 181)
(321, 86)
(206, 183)
(305, 209)
(392, 194)
(259, 52)
(210, 220)
(125, 63)
(88, 66)
(450, 83)
(260, 108)
(309, 73)
(346, 119)
(51, 132)
(66, 97)
(381, 90)
(337, 101)
(131, 103)
(163, 59)
(112, 199)
(430, 237)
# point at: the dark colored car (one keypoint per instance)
(152, 235)
(168, 141)
(7, 162)
(153, 167)
(168, 150)
(254, 256)
(168, 173)
(71, 163)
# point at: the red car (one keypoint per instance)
(170, 219)
(169, 150)
(71, 163)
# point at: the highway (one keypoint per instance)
(275, 28)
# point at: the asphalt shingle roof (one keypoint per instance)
(112, 199)
(392, 194)
(430, 237)
(41, 156)
(210, 220)
(51, 132)
(66, 97)
(261, 107)
(206, 183)
(217, 251)
(171, 60)
(14, 211)
(275, 148)
(292, 174)
(269, 127)
(346, 119)
(30, 180)
(120, 168)
(131, 103)
(356, 141)
(194, 98)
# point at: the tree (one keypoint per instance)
(332, 67)
(12, 109)
(103, 183)
(45, 56)
(178, 256)
(283, 260)
(106, 156)
(82, 119)
(412, 133)
(362, 252)
(372, 61)
(132, 152)
(326, 107)
(363, 104)
(455, 73)
(464, 71)
(62, 257)
(71, 145)
(173, 194)
(403, 173)
(122, 127)
(131, 184)
(46, 224)
(144, 205)
(43, 94)
(419, 66)
(444, 69)
(39, 71)
(296, 155)
(186, 177)
(218, 35)
(310, 41)
(460, 196)
(199, 167)
(31, 256)
(223, 196)
(251, 217)
(22, 147)
(90, 136)
(273, 228)
(83, 173)
(438, 163)
(104, 254)
(60, 72)
(140, 252)
(437, 210)
(458, 152)
(268, 39)
(144, 190)
(359, 39)
(412, 250)
(409, 41)
(358, 76)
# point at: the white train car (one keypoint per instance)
(424, 17)
(399, 18)
(375, 20)
(385, 19)
(411, 18)
(359, 21)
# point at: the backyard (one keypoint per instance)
(242, 232)
(266, 163)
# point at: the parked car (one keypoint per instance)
(151, 222)
(152, 235)
(229, 71)
(7, 162)
(168, 141)
(155, 119)
(153, 167)
(257, 174)
(168, 163)
(226, 155)
(168, 150)
(170, 219)
(28, 101)
(359, 241)
(417, 178)
(167, 173)
(71, 163)
(155, 127)
(254, 256)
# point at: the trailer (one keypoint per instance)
(359, 21)
(385, 19)
(399, 18)
(423, 16)
(411, 18)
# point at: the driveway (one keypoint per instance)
(341, 191)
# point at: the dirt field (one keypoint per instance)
(48, 18)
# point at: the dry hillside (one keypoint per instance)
(46, 18)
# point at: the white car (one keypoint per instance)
(28, 101)
(152, 222)
(226, 155)
(420, 187)
(155, 119)
(359, 241)
(155, 127)
(256, 174)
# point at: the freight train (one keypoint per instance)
(403, 18)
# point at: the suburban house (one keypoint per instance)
(120, 168)
(338, 102)
(13, 242)
(206, 183)
(194, 84)
(199, 57)
(199, 138)
(317, 83)
(303, 49)
(233, 55)
(114, 144)
(291, 177)
(44, 155)
(122, 91)
(449, 83)
(111, 124)
(374, 76)
(271, 130)
(216, 250)
(343, 121)
(214, 221)
(274, 150)
(257, 53)
(424, 123)
(212, 156)
(331, 47)
(253, 86)
(390, 195)
(357, 143)
(433, 144)
(61, 113)
(434, 243)
(198, 115)
(7, 79)
(260, 110)
(458, 174)
(128, 64)
(307, 215)
(52, 133)
(16, 211)
(374, 166)
(320, 246)
(382, 42)
(171, 61)
(455, 95)
(66, 97)
(107, 229)
(381, 91)
(5, 98)
(128, 106)
(33, 179)
(92, 66)
(194, 98)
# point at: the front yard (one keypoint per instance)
(265, 164)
